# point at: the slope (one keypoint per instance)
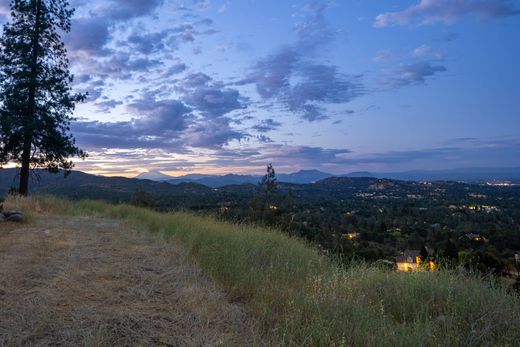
(87, 281)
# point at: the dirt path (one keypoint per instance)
(97, 282)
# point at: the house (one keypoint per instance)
(349, 235)
(410, 260)
(475, 237)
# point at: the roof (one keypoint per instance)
(408, 256)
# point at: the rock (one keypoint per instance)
(17, 218)
(13, 216)
(2, 218)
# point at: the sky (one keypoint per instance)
(228, 86)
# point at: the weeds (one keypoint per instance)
(306, 299)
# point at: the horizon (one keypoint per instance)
(222, 86)
(337, 174)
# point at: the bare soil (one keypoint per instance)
(86, 281)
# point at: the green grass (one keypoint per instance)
(302, 298)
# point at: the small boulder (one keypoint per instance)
(14, 216)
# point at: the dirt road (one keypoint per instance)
(97, 282)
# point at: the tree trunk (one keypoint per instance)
(24, 171)
(31, 112)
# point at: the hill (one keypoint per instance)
(96, 281)
(469, 175)
(216, 181)
(82, 185)
(302, 298)
(478, 174)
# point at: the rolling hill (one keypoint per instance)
(470, 175)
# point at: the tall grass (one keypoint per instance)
(306, 299)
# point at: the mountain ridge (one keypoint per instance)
(481, 174)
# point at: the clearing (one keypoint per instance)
(87, 281)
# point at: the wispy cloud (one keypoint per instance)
(267, 125)
(292, 77)
(412, 74)
(446, 11)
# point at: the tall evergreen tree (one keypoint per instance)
(36, 100)
(268, 184)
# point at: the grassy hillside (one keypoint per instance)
(303, 298)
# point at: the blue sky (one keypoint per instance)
(219, 86)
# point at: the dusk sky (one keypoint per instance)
(220, 86)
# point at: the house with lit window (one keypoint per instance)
(411, 260)
(475, 237)
(350, 235)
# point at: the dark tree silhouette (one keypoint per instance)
(268, 183)
(36, 100)
(263, 204)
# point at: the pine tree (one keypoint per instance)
(268, 183)
(36, 100)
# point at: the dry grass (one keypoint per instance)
(301, 298)
(89, 281)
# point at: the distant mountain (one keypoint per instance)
(215, 181)
(81, 185)
(196, 196)
(359, 174)
(464, 175)
(120, 188)
(310, 176)
(154, 176)
(303, 176)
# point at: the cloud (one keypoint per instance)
(382, 56)
(285, 157)
(198, 119)
(193, 80)
(267, 125)
(446, 11)
(109, 39)
(301, 87)
(121, 66)
(5, 9)
(123, 10)
(91, 33)
(295, 81)
(412, 73)
(303, 156)
(202, 4)
(158, 125)
(175, 69)
(425, 51)
(209, 97)
(147, 43)
(211, 133)
(466, 153)
(107, 105)
(320, 84)
(88, 36)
